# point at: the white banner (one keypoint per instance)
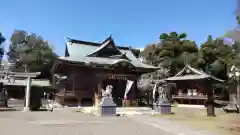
(128, 87)
(154, 91)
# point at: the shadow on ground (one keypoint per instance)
(7, 109)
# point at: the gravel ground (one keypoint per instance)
(48, 123)
(64, 123)
(168, 126)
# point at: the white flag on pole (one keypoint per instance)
(128, 87)
(154, 90)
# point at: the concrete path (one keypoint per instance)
(134, 110)
(128, 111)
(138, 122)
(144, 115)
(50, 123)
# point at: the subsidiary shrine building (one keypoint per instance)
(87, 68)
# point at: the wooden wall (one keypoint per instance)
(86, 83)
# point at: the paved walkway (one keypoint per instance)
(120, 110)
(143, 115)
(168, 126)
(50, 123)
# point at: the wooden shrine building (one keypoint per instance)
(89, 67)
(192, 85)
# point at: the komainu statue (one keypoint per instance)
(108, 91)
(163, 96)
(163, 92)
(107, 105)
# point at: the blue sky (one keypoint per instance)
(133, 23)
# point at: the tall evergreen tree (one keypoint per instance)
(173, 52)
(30, 52)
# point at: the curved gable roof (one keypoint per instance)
(195, 74)
(78, 51)
(109, 43)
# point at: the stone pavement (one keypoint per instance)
(119, 110)
(143, 115)
(168, 126)
(137, 122)
(50, 123)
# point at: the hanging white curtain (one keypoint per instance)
(154, 91)
(128, 87)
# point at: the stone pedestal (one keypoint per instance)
(154, 106)
(107, 107)
(163, 108)
(26, 109)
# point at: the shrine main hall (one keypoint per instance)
(88, 67)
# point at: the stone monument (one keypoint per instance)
(162, 104)
(107, 106)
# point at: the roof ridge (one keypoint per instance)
(197, 71)
(105, 44)
(71, 40)
(107, 39)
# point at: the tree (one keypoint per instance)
(30, 52)
(146, 81)
(173, 52)
(216, 57)
(148, 54)
(2, 40)
(176, 51)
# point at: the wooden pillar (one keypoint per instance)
(134, 91)
(73, 84)
(97, 89)
(27, 95)
(97, 94)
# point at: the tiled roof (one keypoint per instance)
(197, 74)
(104, 45)
(79, 51)
(35, 82)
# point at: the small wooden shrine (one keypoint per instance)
(192, 85)
(89, 67)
